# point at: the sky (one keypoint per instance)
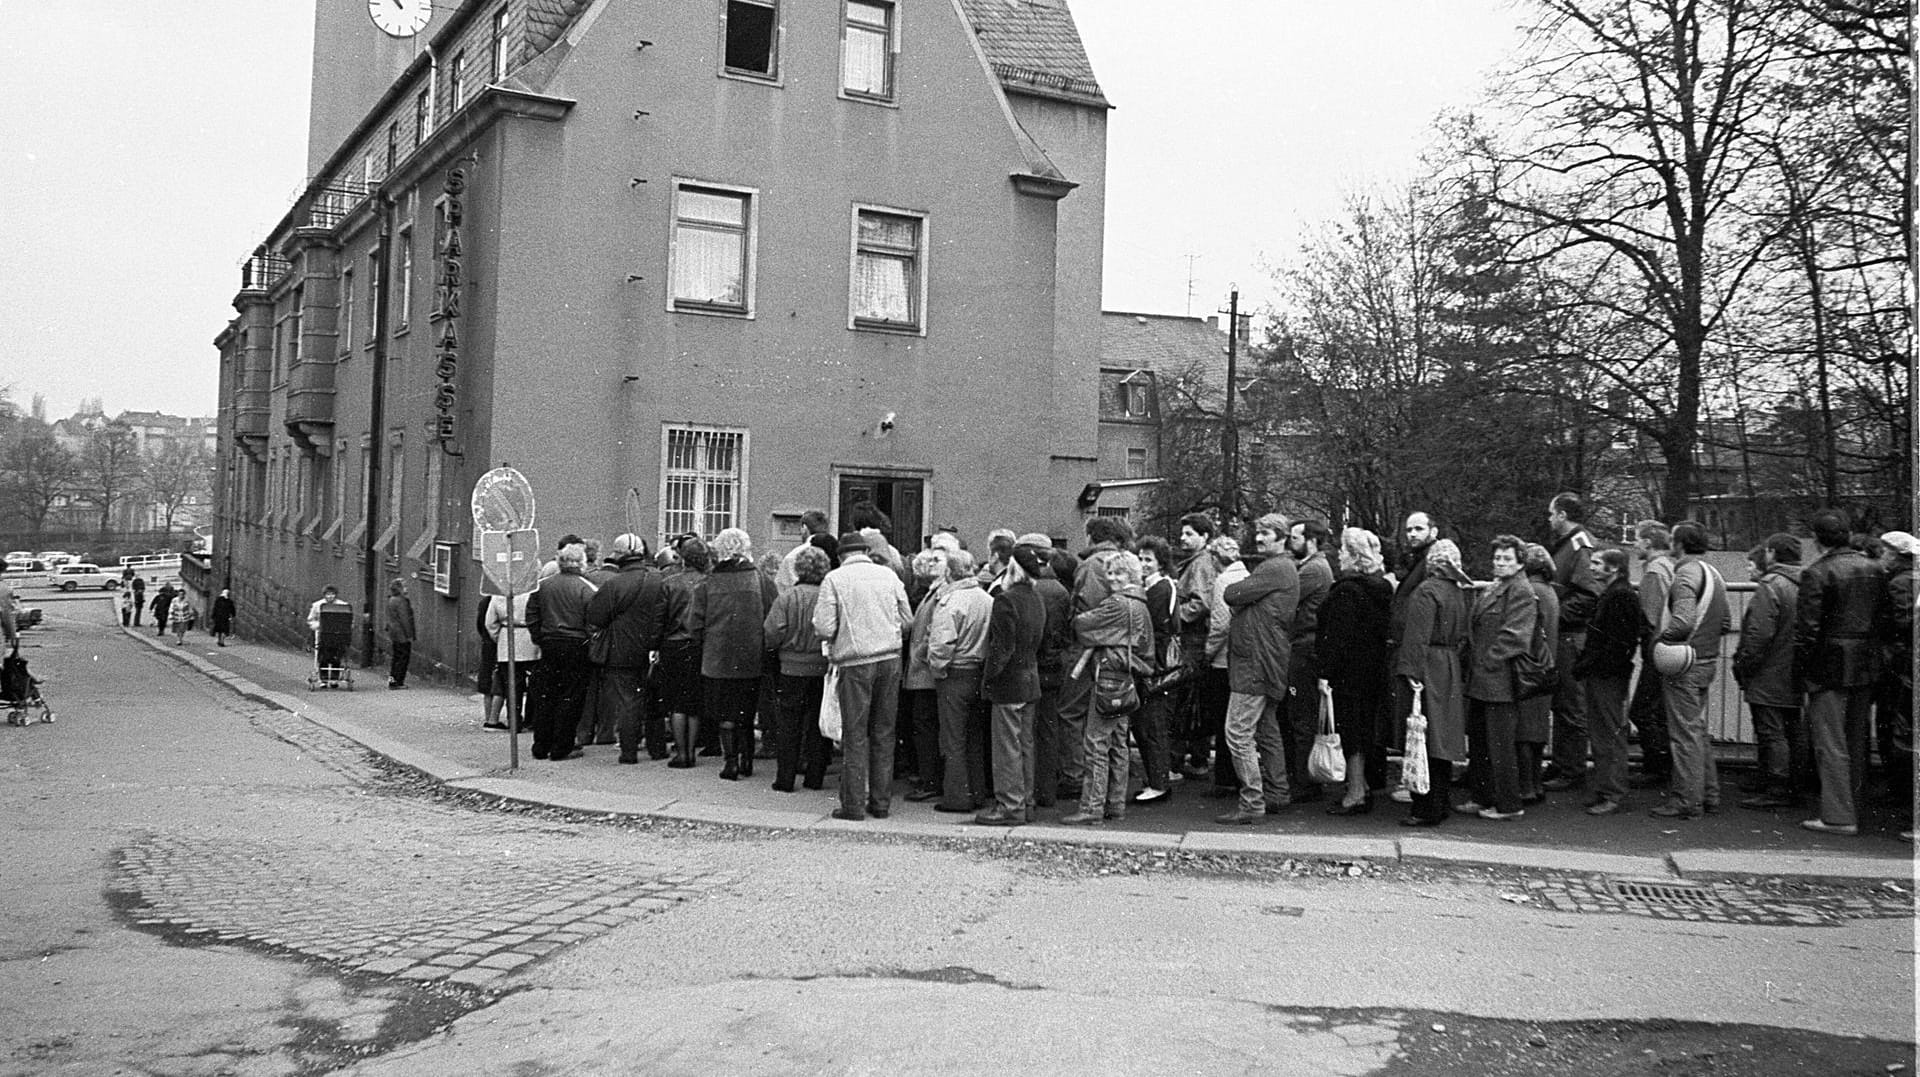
(150, 144)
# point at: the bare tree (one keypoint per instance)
(37, 472)
(175, 477)
(109, 466)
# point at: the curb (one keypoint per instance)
(1714, 864)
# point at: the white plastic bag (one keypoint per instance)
(1414, 772)
(1327, 763)
(830, 705)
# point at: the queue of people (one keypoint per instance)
(1026, 677)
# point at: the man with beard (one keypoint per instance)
(1307, 545)
(1420, 534)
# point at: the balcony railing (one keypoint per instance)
(262, 271)
(332, 203)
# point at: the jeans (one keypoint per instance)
(1013, 756)
(1607, 728)
(798, 746)
(1696, 780)
(963, 749)
(1105, 750)
(1151, 729)
(1785, 755)
(1570, 747)
(1259, 751)
(1076, 695)
(1837, 718)
(1492, 766)
(869, 703)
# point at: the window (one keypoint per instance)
(370, 170)
(712, 251)
(422, 116)
(1135, 395)
(498, 41)
(393, 144)
(703, 479)
(293, 327)
(866, 50)
(1136, 463)
(405, 273)
(889, 279)
(373, 292)
(456, 82)
(346, 309)
(752, 34)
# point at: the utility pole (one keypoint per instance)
(1230, 434)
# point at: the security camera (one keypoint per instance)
(886, 421)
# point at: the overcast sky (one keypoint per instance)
(149, 144)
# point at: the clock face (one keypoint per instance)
(400, 18)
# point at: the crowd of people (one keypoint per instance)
(1280, 672)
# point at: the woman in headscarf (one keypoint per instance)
(1431, 648)
(730, 613)
(1355, 622)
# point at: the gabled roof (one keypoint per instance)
(1170, 345)
(1034, 48)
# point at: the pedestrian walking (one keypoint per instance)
(180, 616)
(124, 602)
(223, 614)
(862, 612)
(139, 599)
(162, 608)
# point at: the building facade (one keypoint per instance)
(685, 265)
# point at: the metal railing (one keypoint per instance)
(332, 203)
(263, 271)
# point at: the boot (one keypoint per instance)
(729, 768)
(745, 748)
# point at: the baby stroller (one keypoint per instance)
(20, 691)
(330, 643)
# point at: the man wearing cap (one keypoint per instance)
(629, 614)
(1836, 655)
(862, 613)
(1010, 680)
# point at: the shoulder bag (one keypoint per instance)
(1674, 659)
(1534, 673)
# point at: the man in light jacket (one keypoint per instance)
(1696, 615)
(1258, 656)
(862, 613)
(956, 651)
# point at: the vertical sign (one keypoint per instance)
(446, 308)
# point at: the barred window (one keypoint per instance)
(702, 480)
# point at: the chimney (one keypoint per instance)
(1213, 322)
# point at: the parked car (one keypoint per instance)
(57, 557)
(80, 574)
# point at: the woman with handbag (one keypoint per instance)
(1431, 648)
(799, 749)
(1152, 729)
(1501, 632)
(1355, 620)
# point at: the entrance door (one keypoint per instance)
(903, 500)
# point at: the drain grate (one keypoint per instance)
(1691, 895)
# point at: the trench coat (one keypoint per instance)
(1502, 630)
(1432, 648)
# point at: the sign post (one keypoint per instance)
(510, 559)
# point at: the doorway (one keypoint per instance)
(902, 498)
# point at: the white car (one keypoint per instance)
(72, 577)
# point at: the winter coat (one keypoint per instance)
(559, 613)
(731, 612)
(957, 636)
(918, 674)
(1432, 648)
(1410, 581)
(1655, 582)
(1016, 629)
(789, 630)
(1573, 579)
(861, 612)
(1686, 621)
(1258, 649)
(400, 628)
(682, 588)
(223, 614)
(1840, 606)
(1194, 592)
(1613, 636)
(1316, 581)
(1501, 630)
(1057, 604)
(1220, 615)
(1763, 662)
(631, 613)
(524, 649)
(1120, 621)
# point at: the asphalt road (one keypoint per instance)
(202, 885)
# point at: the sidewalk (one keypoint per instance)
(436, 731)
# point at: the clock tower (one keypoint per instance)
(354, 62)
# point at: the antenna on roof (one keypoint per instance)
(1190, 260)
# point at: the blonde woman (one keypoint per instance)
(1355, 623)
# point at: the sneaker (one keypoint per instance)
(1400, 795)
(1501, 816)
(1603, 806)
(1824, 827)
(1149, 795)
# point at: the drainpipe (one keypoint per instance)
(376, 425)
